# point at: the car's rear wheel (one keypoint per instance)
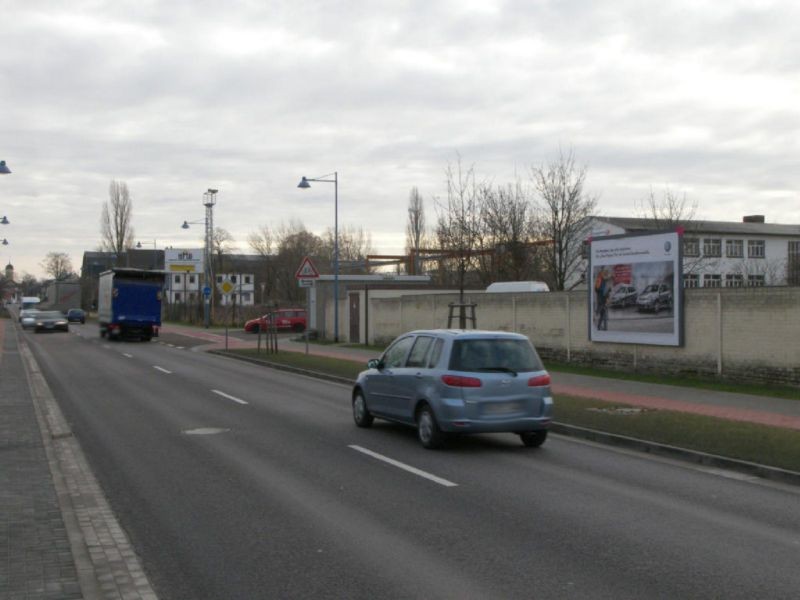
(361, 414)
(533, 439)
(428, 432)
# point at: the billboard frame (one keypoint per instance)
(652, 258)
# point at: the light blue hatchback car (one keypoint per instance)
(457, 381)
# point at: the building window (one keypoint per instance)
(191, 278)
(177, 278)
(691, 280)
(755, 280)
(585, 250)
(177, 296)
(712, 247)
(793, 264)
(233, 278)
(691, 247)
(246, 298)
(219, 278)
(712, 281)
(755, 249)
(247, 278)
(734, 248)
(734, 280)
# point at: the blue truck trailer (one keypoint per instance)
(129, 303)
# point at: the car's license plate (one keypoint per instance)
(501, 408)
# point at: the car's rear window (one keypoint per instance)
(494, 354)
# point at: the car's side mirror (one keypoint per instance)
(375, 363)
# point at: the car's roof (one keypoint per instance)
(469, 333)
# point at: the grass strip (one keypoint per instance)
(762, 444)
(771, 446)
(718, 385)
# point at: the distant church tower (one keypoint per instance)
(10, 272)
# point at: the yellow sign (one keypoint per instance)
(226, 287)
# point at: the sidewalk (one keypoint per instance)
(59, 538)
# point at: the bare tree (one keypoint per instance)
(508, 231)
(415, 228)
(115, 221)
(58, 265)
(221, 246)
(354, 245)
(672, 211)
(668, 212)
(458, 222)
(262, 243)
(563, 210)
(294, 242)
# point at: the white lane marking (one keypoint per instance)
(229, 397)
(126, 355)
(157, 368)
(106, 346)
(404, 466)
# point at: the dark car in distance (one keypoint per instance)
(50, 320)
(291, 319)
(76, 315)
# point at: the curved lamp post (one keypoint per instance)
(304, 183)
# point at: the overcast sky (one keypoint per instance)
(246, 96)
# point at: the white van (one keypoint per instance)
(517, 287)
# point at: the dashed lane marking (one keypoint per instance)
(229, 397)
(157, 368)
(404, 466)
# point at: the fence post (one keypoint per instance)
(719, 329)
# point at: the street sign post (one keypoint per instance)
(305, 275)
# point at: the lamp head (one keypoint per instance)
(138, 244)
(4, 170)
(304, 183)
(5, 242)
(4, 220)
(185, 225)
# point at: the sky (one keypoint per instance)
(247, 96)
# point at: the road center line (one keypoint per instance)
(229, 397)
(157, 368)
(404, 466)
(126, 355)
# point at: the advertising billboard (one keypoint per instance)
(636, 289)
(183, 261)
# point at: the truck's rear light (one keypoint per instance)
(539, 381)
(460, 381)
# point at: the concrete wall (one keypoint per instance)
(748, 334)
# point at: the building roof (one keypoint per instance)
(632, 224)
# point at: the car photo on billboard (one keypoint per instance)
(635, 296)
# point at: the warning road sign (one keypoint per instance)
(307, 270)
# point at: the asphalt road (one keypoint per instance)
(236, 481)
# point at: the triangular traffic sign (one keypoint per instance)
(307, 270)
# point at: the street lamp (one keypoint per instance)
(209, 200)
(304, 183)
(4, 170)
(4, 242)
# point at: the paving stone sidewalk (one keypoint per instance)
(59, 538)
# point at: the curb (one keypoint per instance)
(594, 435)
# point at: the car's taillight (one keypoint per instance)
(539, 381)
(459, 381)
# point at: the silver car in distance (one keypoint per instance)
(457, 381)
